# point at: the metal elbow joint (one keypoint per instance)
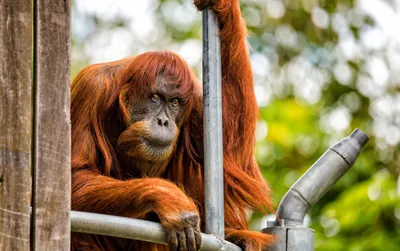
(309, 189)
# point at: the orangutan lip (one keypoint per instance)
(156, 144)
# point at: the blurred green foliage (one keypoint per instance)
(323, 72)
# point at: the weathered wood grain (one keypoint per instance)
(15, 122)
(51, 181)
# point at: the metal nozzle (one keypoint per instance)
(325, 172)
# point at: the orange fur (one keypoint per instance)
(100, 99)
(129, 141)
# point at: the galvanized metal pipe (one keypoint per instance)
(310, 188)
(116, 226)
(213, 148)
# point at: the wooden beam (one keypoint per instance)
(52, 129)
(15, 123)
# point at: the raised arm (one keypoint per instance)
(245, 188)
(239, 103)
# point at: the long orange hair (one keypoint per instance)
(101, 96)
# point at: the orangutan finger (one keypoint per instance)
(172, 241)
(190, 239)
(182, 241)
(197, 235)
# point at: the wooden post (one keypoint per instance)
(15, 123)
(52, 127)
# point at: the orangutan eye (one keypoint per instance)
(175, 102)
(155, 98)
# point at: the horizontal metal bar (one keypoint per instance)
(116, 226)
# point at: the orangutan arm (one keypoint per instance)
(237, 78)
(93, 192)
(244, 186)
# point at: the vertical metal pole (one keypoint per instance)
(213, 148)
